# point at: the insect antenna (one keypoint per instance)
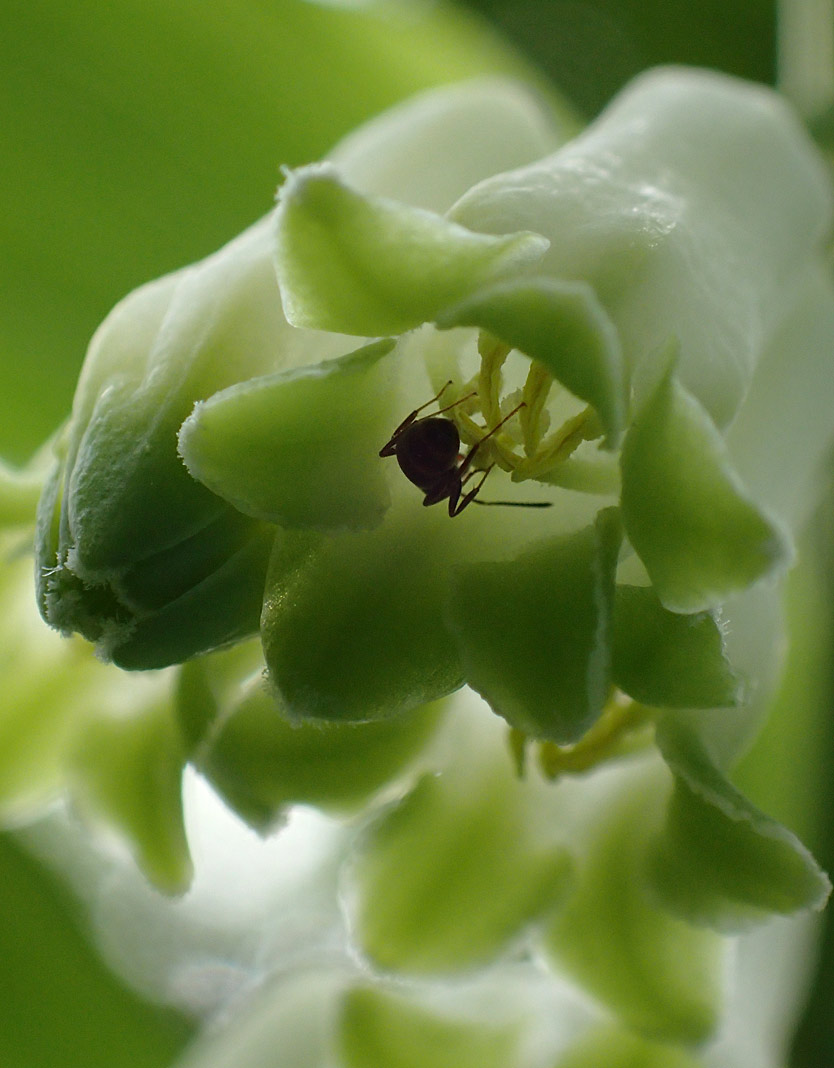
(515, 504)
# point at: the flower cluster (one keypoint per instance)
(621, 340)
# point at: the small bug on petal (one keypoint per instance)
(428, 452)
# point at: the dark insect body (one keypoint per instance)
(428, 452)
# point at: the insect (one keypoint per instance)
(428, 452)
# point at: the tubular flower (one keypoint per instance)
(621, 342)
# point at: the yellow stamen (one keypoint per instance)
(624, 727)
(540, 453)
(493, 353)
(535, 394)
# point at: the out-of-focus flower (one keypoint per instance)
(633, 329)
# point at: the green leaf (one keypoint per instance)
(299, 448)
(667, 659)
(352, 625)
(260, 762)
(563, 326)
(127, 774)
(453, 873)
(60, 1004)
(685, 512)
(658, 974)
(370, 266)
(378, 1028)
(719, 860)
(615, 1048)
(533, 632)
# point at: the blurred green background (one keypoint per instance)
(592, 47)
(139, 135)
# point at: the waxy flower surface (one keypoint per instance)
(626, 336)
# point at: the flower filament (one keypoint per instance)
(624, 727)
(532, 450)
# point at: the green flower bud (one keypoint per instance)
(134, 554)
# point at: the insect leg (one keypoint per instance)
(467, 461)
(456, 507)
(390, 448)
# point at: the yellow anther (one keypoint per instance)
(493, 354)
(558, 446)
(539, 452)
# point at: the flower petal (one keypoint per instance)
(658, 974)
(477, 128)
(260, 762)
(52, 689)
(352, 626)
(222, 605)
(57, 737)
(667, 659)
(452, 873)
(162, 348)
(692, 524)
(533, 632)
(370, 266)
(780, 442)
(127, 773)
(719, 860)
(616, 1048)
(299, 448)
(691, 206)
(378, 1027)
